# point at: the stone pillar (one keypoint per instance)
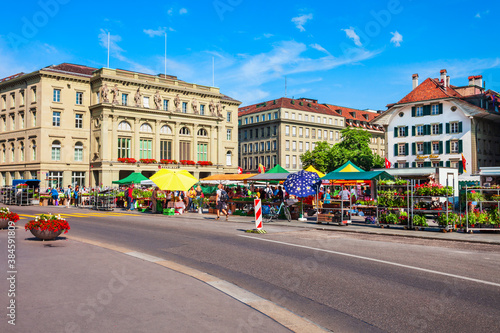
(195, 144)
(105, 155)
(156, 145)
(135, 140)
(175, 147)
(114, 140)
(213, 146)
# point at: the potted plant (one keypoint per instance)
(47, 226)
(5, 216)
(420, 221)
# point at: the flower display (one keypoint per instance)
(49, 222)
(22, 186)
(127, 160)
(6, 214)
(204, 163)
(433, 189)
(168, 161)
(187, 162)
(147, 160)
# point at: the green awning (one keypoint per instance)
(133, 178)
(365, 175)
(278, 169)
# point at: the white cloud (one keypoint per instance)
(352, 35)
(170, 12)
(397, 38)
(478, 15)
(154, 33)
(183, 11)
(117, 52)
(263, 36)
(481, 14)
(301, 20)
(319, 48)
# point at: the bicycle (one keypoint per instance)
(273, 214)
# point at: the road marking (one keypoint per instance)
(378, 261)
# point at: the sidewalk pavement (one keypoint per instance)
(69, 286)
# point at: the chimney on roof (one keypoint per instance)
(476, 80)
(414, 78)
(443, 77)
(448, 81)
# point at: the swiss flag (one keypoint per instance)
(240, 170)
(387, 163)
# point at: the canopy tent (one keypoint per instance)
(313, 169)
(349, 167)
(148, 182)
(357, 176)
(133, 178)
(233, 177)
(278, 169)
(269, 176)
(174, 180)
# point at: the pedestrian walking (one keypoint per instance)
(76, 195)
(128, 196)
(221, 202)
(67, 195)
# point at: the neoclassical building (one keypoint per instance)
(70, 124)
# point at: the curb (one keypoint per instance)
(281, 315)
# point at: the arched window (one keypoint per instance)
(229, 158)
(165, 130)
(3, 154)
(56, 151)
(202, 132)
(146, 128)
(21, 151)
(12, 152)
(78, 152)
(184, 131)
(33, 150)
(124, 126)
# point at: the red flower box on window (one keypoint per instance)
(186, 162)
(205, 163)
(127, 160)
(147, 160)
(165, 161)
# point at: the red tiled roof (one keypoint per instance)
(354, 114)
(286, 103)
(72, 68)
(430, 89)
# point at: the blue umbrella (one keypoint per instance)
(302, 184)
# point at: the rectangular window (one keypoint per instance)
(57, 95)
(79, 98)
(301, 146)
(287, 130)
(124, 99)
(78, 178)
(274, 145)
(33, 118)
(165, 105)
(250, 148)
(22, 120)
(246, 121)
(228, 135)
(294, 161)
(307, 146)
(420, 130)
(202, 109)
(145, 148)
(434, 109)
(229, 117)
(300, 116)
(319, 134)
(123, 147)
(329, 121)
(268, 116)
(312, 119)
(56, 152)
(435, 129)
(22, 97)
(286, 114)
(287, 145)
(402, 131)
(56, 118)
(185, 150)
(420, 164)
(454, 128)
(313, 133)
(331, 135)
(244, 149)
(454, 147)
(78, 153)
(263, 117)
(306, 117)
(294, 145)
(202, 152)
(287, 161)
(324, 120)
(300, 132)
(293, 115)
(55, 179)
(435, 147)
(419, 111)
(78, 120)
(420, 148)
(245, 135)
(307, 132)
(268, 145)
(251, 120)
(145, 102)
(401, 149)
(33, 94)
(336, 135)
(262, 147)
(294, 131)
(276, 115)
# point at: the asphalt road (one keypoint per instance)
(343, 282)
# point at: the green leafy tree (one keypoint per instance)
(354, 147)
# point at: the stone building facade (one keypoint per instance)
(69, 124)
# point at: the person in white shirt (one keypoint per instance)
(344, 194)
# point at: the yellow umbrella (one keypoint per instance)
(173, 180)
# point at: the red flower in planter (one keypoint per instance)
(147, 160)
(187, 162)
(127, 160)
(205, 163)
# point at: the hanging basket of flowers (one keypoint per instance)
(47, 226)
(6, 216)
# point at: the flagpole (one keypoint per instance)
(108, 50)
(165, 54)
(213, 71)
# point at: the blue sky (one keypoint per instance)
(359, 54)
